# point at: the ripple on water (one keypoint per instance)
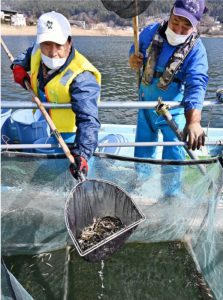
(119, 82)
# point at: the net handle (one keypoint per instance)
(135, 21)
(136, 34)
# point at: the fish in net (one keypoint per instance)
(100, 229)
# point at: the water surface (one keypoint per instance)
(137, 271)
(110, 56)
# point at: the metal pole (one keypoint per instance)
(163, 109)
(101, 105)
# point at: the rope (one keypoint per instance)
(118, 157)
(158, 161)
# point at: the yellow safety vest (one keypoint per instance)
(57, 89)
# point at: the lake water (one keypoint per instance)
(138, 271)
(110, 56)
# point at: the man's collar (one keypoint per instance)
(163, 30)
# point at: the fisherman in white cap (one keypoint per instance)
(60, 74)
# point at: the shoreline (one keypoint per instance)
(7, 30)
(31, 31)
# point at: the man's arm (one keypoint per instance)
(196, 80)
(85, 92)
(23, 59)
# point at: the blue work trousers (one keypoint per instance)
(148, 125)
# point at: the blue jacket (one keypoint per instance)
(192, 73)
(85, 93)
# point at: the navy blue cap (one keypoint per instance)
(190, 9)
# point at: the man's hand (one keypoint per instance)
(135, 61)
(193, 132)
(80, 165)
(194, 135)
(20, 75)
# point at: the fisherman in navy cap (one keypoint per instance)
(174, 67)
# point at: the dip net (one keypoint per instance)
(179, 204)
(126, 8)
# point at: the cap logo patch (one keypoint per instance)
(49, 24)
(192, 6)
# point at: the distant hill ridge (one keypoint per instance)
(93, 12)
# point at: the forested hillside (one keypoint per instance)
(92, 11)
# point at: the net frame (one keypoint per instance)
(125, 232)
(127, 8)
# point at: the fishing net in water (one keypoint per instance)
(178, 201)
(100, 216)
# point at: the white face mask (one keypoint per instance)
(53, 63)
(175, 39)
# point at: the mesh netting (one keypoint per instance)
(93, 199)
(126, 8)
(179, 203)
(10, 287)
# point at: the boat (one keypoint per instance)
(116, 142)
(36, 183)
(114, 137)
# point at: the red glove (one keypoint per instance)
(20, 75)
(79, 166)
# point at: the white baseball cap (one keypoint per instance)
(53, 27)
